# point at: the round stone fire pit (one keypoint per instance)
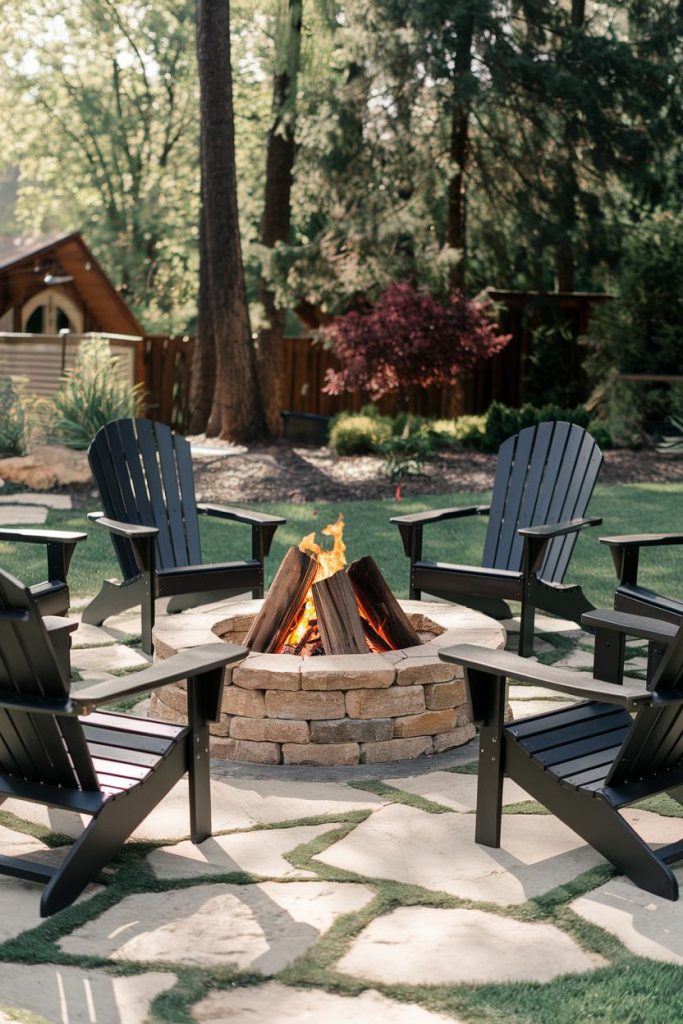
(332, 710)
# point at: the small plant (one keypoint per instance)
(358, 434)
(405, 456)
(93, 392)
(672, 444)
(13, 426)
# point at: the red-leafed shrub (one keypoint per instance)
(410, 340)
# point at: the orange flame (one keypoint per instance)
(329, 561)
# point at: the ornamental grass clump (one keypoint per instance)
(13, 426)
(93, 393)
(409, 341)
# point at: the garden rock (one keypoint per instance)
(47, 466)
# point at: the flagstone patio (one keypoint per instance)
(334, 894)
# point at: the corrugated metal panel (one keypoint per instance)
(41, 358)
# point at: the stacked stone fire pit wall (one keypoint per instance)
(339, 709)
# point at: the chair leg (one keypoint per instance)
(596, 821)
(526, 628)
(108, 831)
(147, 614)
(491, 693)
(113, 599)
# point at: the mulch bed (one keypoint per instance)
(279, 472)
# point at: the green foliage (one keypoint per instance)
(502, 421)
(93, 392)
(405, 456)
(12, 419)
(601, 434)
(464, 432)
(357, 434)
(641, 331)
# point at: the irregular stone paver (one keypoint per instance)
(647, 925)
(107, 659)
(430, 946)
(90, 636)
(520, 691)
(61, 501)
(22, 515)
(548, 624)
(527, 708)
(256, 853)
(261, 927)
(273, 1003)
(453, 790)
(438, 852)
(577, 658)
(70, 995)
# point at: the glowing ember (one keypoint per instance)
(329, 562)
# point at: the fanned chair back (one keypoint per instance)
(36, 747)
(654, 743)
(144, 474)
(544, 475)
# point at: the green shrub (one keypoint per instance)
(600, 433)
(12, 419)
(502, 421)
(93, 392)
(405, 456)
(357, 434)
(465, 432)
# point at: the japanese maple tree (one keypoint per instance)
(410, 340)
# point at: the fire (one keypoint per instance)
(329, 561)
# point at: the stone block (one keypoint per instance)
(445, 695)
(347, 672)
(244, 750)
(399, 700)
(320, 753)
(304, 705)
(164, 713)
(173, 697)
(395, 750)
(423, 670)
(246, 703)
(222, 728)
(455, 738)
(269, 672)
(270, 730)
(357, 730)
(427, 724)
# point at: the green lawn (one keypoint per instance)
(626, 508)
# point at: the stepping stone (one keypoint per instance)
(527, 708)
(273, 1003)
(416, 946)
(260, 928)
(519, 691)
(646, 924)
(438, 852)
(576, 659)
(107, 659)
(256, 853)
(72, 995)
(90, 636)
(60, 501)
(22, 515)
(548, 624)
(635, 665)
(459, 792)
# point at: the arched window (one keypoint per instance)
(51, 311)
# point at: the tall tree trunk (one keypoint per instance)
(456, 234)
(237, 405)
(276, 221)
(202, 384)
(568, 187)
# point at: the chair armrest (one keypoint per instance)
(640, 626)
(536, 538)
(263, 525)
(410, 526)
(630, 694)
(131, 531)
(60, 545)
(191, 663)
(549, 530)
(625, 551)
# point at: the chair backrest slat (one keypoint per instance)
(144, 473)
(545, 474)
(33, 746)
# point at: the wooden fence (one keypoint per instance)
(164, 366)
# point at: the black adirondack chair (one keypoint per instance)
(52, 596)
(545, 477)
(630, 597)
(113, 767)
(146, 483)
(586, 762)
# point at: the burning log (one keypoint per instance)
(283, 603)
(339, 621)
(379, 605)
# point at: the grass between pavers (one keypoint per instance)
(598, 996)
(625, 508)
